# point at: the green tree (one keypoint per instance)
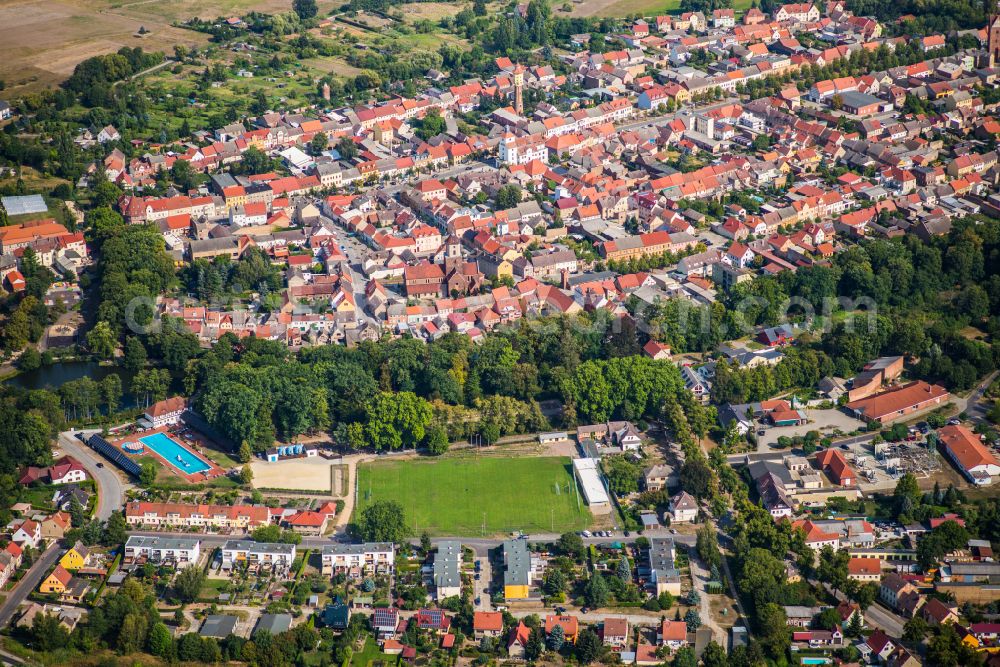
(571, 545)
(246, 475)
(437, 440)
(915, 630)
(116, 530)
(707, 545)
(318, 144)
(246, 453)
(714, 655)
(101, 340)
(431, 125)
(111, 392)
(508, 196)
(588, 647)
(188, 583)
(48, 633)
(556, 638)
(347, 148)
(535, 646)
(306, 9)
(685, 657)
(147, 474)
(696, 478)
(396, 420)
(597, 590)
(907, 487)
(161, 642)
(624, 570)
(135, 354)
(383, 521)
(776, 636)
(828, 619)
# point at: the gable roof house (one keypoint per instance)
(970, 455)
(832, 462)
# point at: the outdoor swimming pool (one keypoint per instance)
(815, 661)
(175, 453)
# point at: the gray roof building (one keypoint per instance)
(447, 560)
(219, 626)
(274, 623)
(516, 563)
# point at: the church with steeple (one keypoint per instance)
(992, 57)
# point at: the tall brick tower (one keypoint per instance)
(519, 89)
(993, 48)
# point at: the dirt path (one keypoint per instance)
(699, 578)
(351, 463)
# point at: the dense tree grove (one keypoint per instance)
(908, 297)
(132, 271)
(395, 394)
(92, 78)
(928, 17)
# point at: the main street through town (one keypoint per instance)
(29, 582)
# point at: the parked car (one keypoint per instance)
(954, 422)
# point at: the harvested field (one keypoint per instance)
(44, 41)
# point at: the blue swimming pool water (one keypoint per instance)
(170, 449)
(815, 661)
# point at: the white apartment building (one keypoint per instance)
(279, 555)
(358, 559)
(182, 551)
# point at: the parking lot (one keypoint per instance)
(827, 422)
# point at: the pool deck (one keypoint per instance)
(194, 442)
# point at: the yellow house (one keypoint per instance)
(56, 582)
(515, 592)
(75, 558)
(517, 570)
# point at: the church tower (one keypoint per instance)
(993, 29)
(519, 89)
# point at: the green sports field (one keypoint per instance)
(471, 496)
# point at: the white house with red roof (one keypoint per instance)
(738, 255)
(67, 470)
(969, 454)
(166, 412)
(672, 633)
(27, 533)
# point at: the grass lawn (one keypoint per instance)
(370, 653)
(211, 588)
(455, 496)
(40, 496)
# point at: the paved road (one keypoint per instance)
(480, 546)
(876, 615)
(110, 488)
(973, 405)
(28, 583)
